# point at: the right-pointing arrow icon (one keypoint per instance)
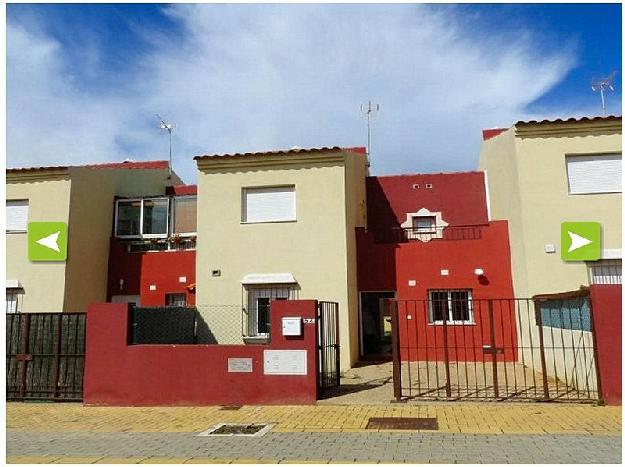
(51, 241)
(580, 241)
(577, 241)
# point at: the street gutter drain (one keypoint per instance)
(402, 423)
(238, 429)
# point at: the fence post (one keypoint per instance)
(446, 356)
(541, 341)
(196, 311)
(595, 351)
(493, 347)
(57, 356)
(395, 349)
(26, 337)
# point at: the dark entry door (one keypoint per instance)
(376, 325)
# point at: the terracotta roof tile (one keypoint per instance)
(570, 120)
(295, 150)
(109, 165)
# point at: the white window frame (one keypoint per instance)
(244, 191)
(173, 216)
(422, 230)
(12, 295)
(178, 294)
(23, 201)
(605, 272)
(598, 191)
(451, 321)
(269, 291)
(141, 200)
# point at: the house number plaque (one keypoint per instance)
(239, 365)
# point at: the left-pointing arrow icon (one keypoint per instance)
(51, 241)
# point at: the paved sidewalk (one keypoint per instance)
(468, 433)
(311, 447)
(465, 417)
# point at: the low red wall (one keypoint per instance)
(607, 318)
(119, 374)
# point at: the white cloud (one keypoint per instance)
(245, 77)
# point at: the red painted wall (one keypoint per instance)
(391, 267)
(607, 318)
(140, 270)
(461, 198)
(118, 374)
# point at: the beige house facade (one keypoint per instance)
(83, 197)
(541, 174)
(278, 225)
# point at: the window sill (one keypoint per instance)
(440, 323)
(268, 222)
(595, 193)
(262, 339)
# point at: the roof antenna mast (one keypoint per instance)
(367, 110)
(167, 127)
(601, 85)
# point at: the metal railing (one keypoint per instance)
(495, 349)
(164, 244)
(436, 233)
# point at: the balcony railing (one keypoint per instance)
(436, 233)
(162, 244)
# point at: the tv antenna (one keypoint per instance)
(602, 85)
(167, 127)
(367, 110)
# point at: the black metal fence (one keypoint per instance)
(435, 233)
(452, 347)
(45, 355)
(163, 325)
(328, 345)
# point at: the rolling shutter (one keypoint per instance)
(17, 216)
(599, 173)
(271, 204)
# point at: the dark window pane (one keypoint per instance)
(460, 306)
(175, 299)
(128, 218)
(439, 305)
(262, 308)
(155, 216)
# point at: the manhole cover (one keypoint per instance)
(237, 429)
(401, 423)
(230, 407)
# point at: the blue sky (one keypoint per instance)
(84, 81)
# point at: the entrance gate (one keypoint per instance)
(45, 355)
(328, 346)
(451, 347)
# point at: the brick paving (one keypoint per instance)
(318, 447)
(465, 417)
(469, 433)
